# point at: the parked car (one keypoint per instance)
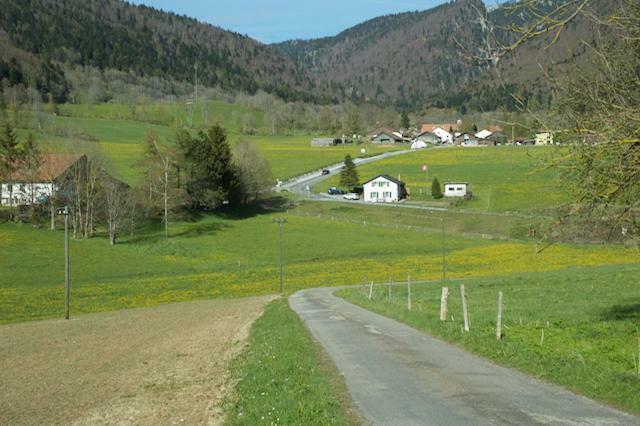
(326, 172)
(335, 191)
(351, 196)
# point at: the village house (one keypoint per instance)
(456, 189)
(384, 189)
(387, 138)
(427, 138)
(322, 142)
(483, 134)
(35, 187)
(544, 138)
(445, 132)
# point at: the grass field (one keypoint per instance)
(117, 132)
(501, 178)
(162, 365)
(236, 255)
(589, 316)
(284, 377)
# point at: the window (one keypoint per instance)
(386, 195)
(374, 195)
(460, 188)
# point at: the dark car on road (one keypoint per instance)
(326, 172)
(335, 191)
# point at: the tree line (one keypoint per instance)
(183, 175)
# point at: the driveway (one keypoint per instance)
(397, 375)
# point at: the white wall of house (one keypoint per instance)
(23, 193)
(455, 189)
(544, 138)
(443, 135)
(381, 190)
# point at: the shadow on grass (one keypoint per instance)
(275, 204)
(191, 223)
(623, 312)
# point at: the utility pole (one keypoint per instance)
(444, 263)
(65, 212)
(280, 223)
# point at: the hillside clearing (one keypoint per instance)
(160, 365)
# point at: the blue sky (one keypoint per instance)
(278, 20)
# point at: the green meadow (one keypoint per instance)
(117, 132)
(235, 254)
(577, 327)
(503, 178)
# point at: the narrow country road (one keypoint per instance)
(299, 184)
(397, 375)
(302, 185)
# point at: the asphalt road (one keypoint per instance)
(301, 185)
(397, 375)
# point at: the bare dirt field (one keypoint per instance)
(161, 365)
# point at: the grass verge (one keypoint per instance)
(284, 376)
(577, 327)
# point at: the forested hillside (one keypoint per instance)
(405, 59)
(418, 59)
(111, 34)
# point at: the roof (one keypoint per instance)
(387, 177)
(483, 134)
(456, 183)
(376, 132)
(51, 167)
(427, 133)
(429, 127)
(393, 135)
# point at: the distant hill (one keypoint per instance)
(408, 61)
(111, 34)
(405, 59)
(413, 60)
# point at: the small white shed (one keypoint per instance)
(456, 189)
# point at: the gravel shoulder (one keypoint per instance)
(156, 365)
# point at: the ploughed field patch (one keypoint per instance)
(161, 365)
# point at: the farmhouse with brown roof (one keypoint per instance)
(26, 187)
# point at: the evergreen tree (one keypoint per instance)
(349, 173)
(10, 157)
(30, 164)
(405, 122)
(212, 178)
(436, 191)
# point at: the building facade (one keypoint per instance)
(384, 189)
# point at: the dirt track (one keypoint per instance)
(162, 365)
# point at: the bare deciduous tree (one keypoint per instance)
(254, 171)
(118, 206)
(162, 176)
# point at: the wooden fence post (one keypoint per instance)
(389, 293)
(371, 290)
(443, 303)
(465, 312)
(409, 292)
(499, 322)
